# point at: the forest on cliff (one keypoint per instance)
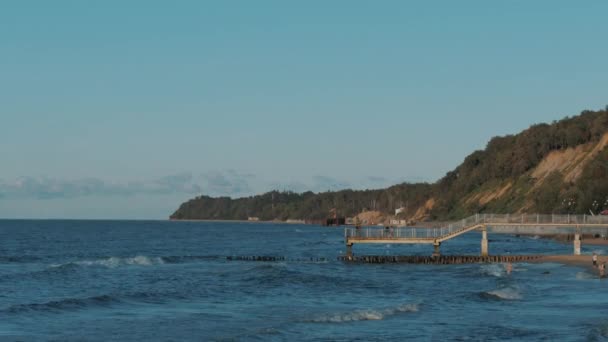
(561, 167)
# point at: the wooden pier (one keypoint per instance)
(481, 222)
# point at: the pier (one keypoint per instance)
(499, 223)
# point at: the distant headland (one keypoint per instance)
(561, 167)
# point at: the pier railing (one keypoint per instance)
(383, 233)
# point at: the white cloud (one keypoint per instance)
(51, 188)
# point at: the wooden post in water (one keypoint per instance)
(577, 242)
(436, 245)
(484, 241)
(349, 252)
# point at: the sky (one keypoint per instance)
(125, 109)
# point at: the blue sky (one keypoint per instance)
(124, 109)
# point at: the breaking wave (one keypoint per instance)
(506, 293)
(113, 262)
(364, 315)
(495, 270)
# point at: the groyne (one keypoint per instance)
(398, 259)
(272, 258)
(437, 260)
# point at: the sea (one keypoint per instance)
(71, 280)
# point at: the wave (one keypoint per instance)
(105, 300)
(506, 293)
(18, 259)
(364, 315)
(41, 274)
(67, 304)
(494, 270)
(113, 262)
(278, 274)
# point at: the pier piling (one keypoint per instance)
(484, 242)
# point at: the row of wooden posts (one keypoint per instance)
(440, 260)
(398, 259)
(272, 258)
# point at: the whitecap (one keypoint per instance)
(364, 315)
(507, 293)
(112, 262)
(495, 270)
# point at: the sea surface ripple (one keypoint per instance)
(158, 280)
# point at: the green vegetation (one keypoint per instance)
(308, 205)
(508, 159)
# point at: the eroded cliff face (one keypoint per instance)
(569, 162)
(566, 165)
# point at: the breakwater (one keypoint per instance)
(397, 259)
(440, 260)
(272, 258)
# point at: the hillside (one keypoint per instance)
(560, 167)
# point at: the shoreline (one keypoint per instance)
(582, 261)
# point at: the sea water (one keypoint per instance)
(159, 280)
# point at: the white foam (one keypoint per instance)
(365, 315)
(112, 262)
(495, 270)
(508, 293)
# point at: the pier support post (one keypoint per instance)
(577, 244)
(349, 252)
(436, 245)
(484, 241)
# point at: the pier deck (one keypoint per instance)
(435, 236)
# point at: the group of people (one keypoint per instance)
(601, 268)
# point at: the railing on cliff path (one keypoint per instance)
(413, 233)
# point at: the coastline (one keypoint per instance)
(237, 221)
(583, 261)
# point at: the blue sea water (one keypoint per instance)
(172, 281)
